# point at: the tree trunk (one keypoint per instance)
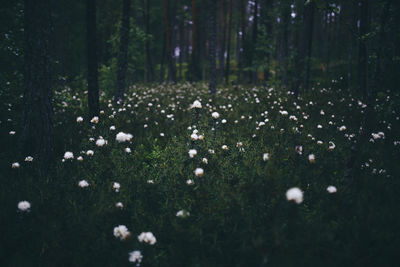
(222, 40)
(253, 71)
(309, 15)
(228, 49)
(149, 62)
(211, 43)
(92, 76)
(36, 133)
(170, 59)
(123, 51)
(362, 49)
(242, 39)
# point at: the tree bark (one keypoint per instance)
(362, 49)
(211, 43)
(222, 40)
(123, 51)
(149, 62)
(91, 46)
(36, 132)
(228, 49)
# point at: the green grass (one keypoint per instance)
(239, 214)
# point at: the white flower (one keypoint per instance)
(223, 121)
(15, 165)
(12, 132)
(311, 158)
(299, 150)
(331, 189)
(196, 104)
(342, 128)
(319, 126)
(80, 158)
(204, 160)
(83, 184)
(265, 156)
(162, 134)
(123, 137)
(150, 181)
(101, 142)
(147, 237)
(121, 232)
(116, 186)
(68, 155)
(182, 213)
(135, 256)
(199, 172)
(128, 150)
(224, 147)
(294, 194)
(194, 136)
(331, 145)
(119, 205)
(95, 119)
(189, 182)
(79, 119)
(24, 205)
(215, 115)
(29, 158)
(90, 152)
(192, 153)
(211, 151)
(283, 112)
(112, 128)
(319, 142)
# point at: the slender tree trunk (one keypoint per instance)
(362, 49)
(222, 40)
(162, 67)
(91, 46)
(285, 42)
(253, 71)
(211, 41)
(309, 37)
(36, 133)
(149, 62)
(242, 39)
(123, 51)
(170, 59)
(228, 49)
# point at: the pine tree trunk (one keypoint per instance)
(362, 49)
(228, 49)
(211, 41)
(123, 51)
(92, 76)
(222, 39)
(36, 132)
(149, 62)
(309, 37)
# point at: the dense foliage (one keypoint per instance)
(237, 213)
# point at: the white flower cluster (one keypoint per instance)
(83, 184)
(192, 153)
(121, 232)
(135, 256)
(123, 137)
(199, 172)
(147, 237)
(68, 155)
(294, 194)
(24, 205)
(196, 104)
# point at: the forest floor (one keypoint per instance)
(189, 179)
